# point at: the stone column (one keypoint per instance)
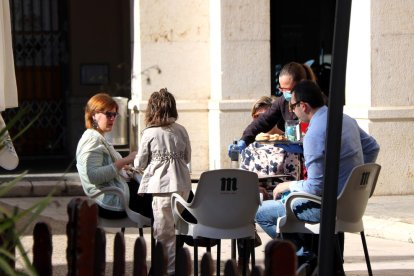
(171, 50)
(214, 56)
(379, 86)
(240, 70)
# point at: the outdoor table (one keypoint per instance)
(293, 147)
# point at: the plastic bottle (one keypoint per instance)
(234, 155)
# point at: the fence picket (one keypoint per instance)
(42, 249)
(100, 256)
(183, 262)
(257, 271)
(119, 255)
(81, 227)
(207, 265)
(87, 244)
(280, 258)
(159, 267)
(140, 258)
(230, 268)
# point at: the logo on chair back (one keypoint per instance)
(364, 179)
(228, 184)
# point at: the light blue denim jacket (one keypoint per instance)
(95, 159)
(357, 148)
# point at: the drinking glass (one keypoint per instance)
(292, 130)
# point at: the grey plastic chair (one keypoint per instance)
(351, 205)
(134, 219)
(224, 205)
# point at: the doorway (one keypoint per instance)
(39, 33)
(53, 42)
(302, 31)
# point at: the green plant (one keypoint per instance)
(10, 236)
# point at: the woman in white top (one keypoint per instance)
(100, 165)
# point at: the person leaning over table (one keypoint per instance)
(267, 159)
(100, 165)
(279, 112)
(357, 147)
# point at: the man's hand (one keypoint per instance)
(280, 189)
(241, 145)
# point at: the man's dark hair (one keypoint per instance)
(309, 92)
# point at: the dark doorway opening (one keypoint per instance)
(40, 49)
(54, 41)
(302, 31)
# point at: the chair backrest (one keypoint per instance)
(353, 199)
(226, 199)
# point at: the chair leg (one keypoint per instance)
(339, 259)
(233, 249)
(208, 247)
(246, 254)
(252, 253)
(177, 248)
(152, 246)
(218, 258)
(364, 244)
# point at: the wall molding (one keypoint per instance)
(381, 113)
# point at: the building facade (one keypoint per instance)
(217, 57)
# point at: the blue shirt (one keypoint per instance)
(357, 148)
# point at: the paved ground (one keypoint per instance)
(388, 256)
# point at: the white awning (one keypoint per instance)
(8, 87)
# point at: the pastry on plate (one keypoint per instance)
(263, 137)
(276, 137)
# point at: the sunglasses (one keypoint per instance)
(110, 115)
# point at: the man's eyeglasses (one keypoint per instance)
(110, 115)
(292, 106)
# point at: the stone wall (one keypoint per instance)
(215, 56)
(380, 84)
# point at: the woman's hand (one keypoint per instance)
(120, 163)
(130, 158)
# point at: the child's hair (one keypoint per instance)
(161, 107)
(264, 102)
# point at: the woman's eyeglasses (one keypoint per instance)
(110, 115)
(282, 89)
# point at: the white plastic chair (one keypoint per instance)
(224, 205)
(134, 219)
(351, 205)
